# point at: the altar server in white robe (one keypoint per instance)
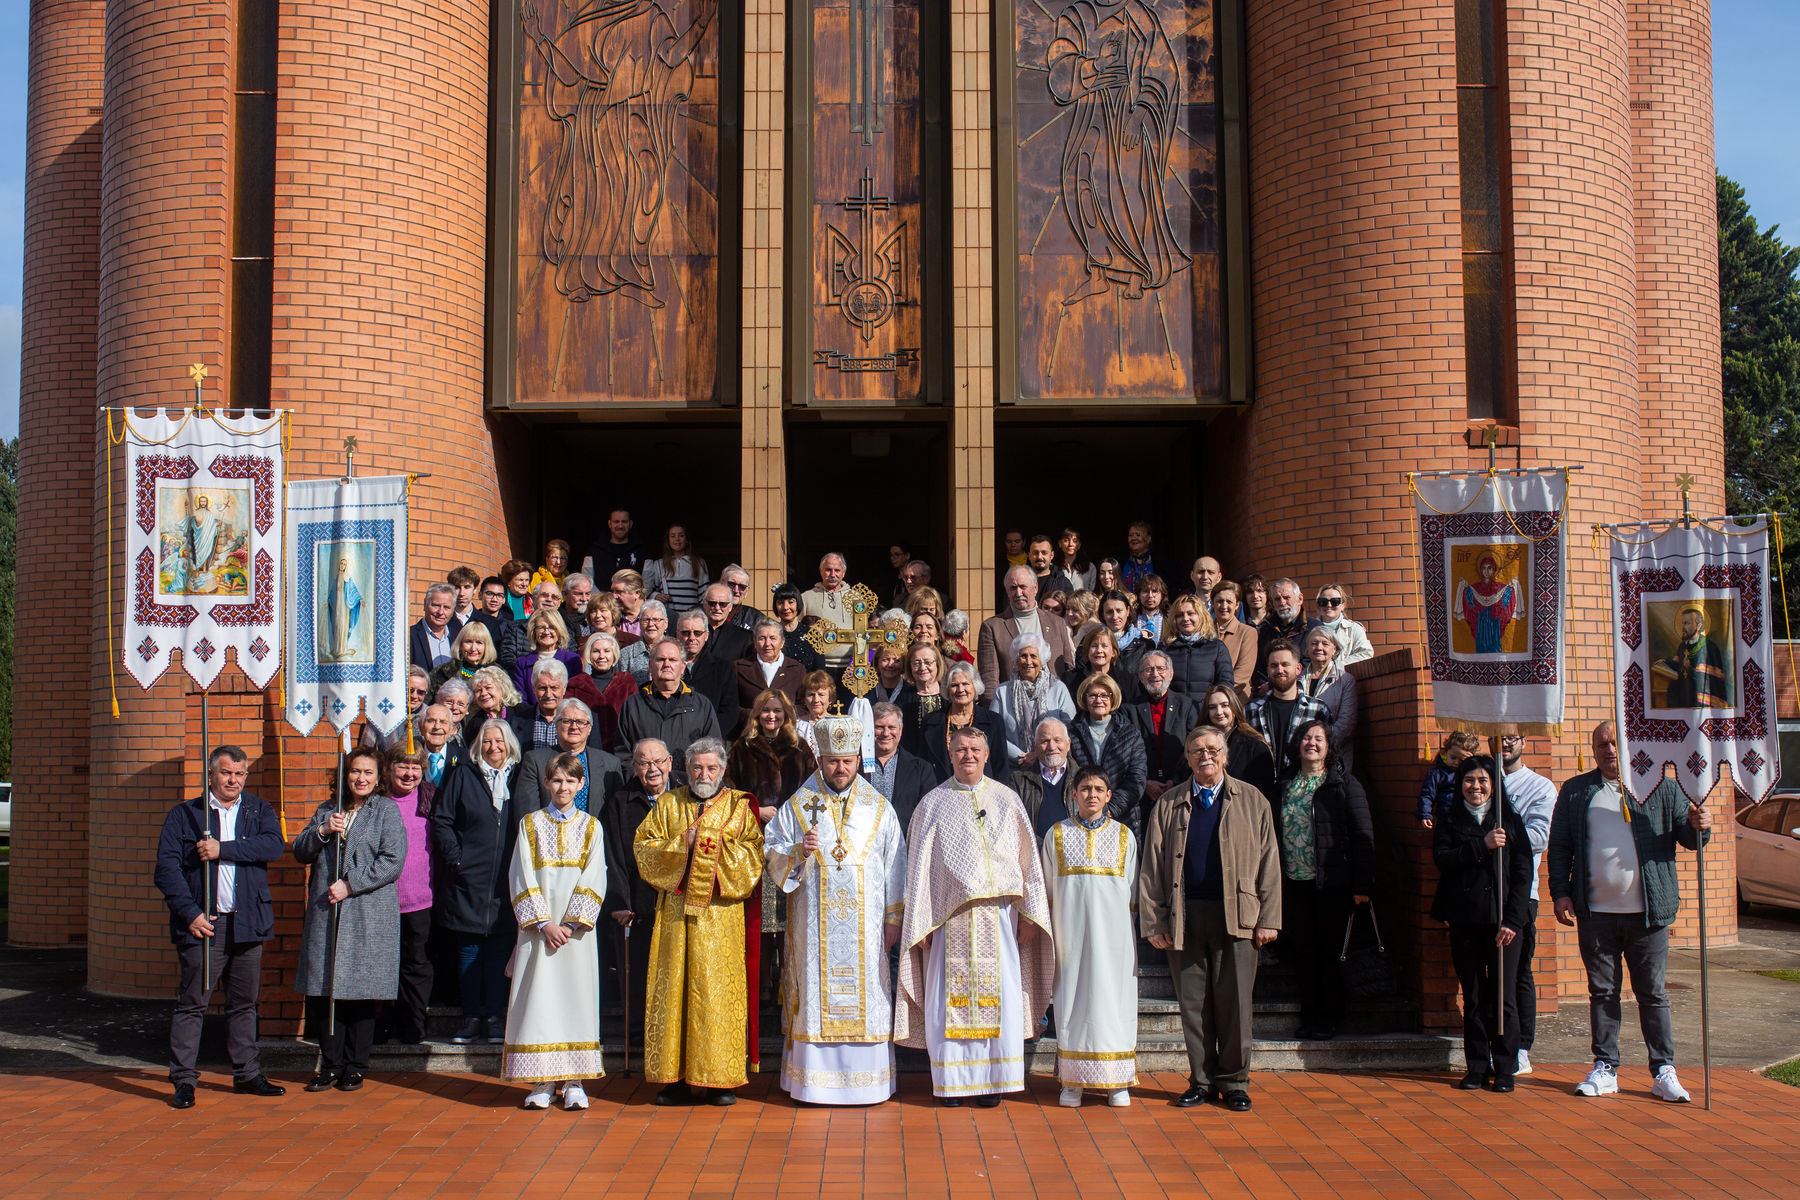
(558, 879)
(1090, 870)
(840, 856)
(976, 961)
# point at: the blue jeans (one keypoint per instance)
(481, 970)
(1605, 939)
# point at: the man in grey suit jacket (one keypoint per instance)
(574, 726)
(993, 651)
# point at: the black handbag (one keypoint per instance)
(1367, 971)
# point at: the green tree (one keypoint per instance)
(9, 557)
(1759, 320)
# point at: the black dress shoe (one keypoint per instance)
(470, 1031)
(184, 1096)
(324, 1081)
(260, 1086)
(349, 1081)
(949, 1102)
(1502, 1083)
(1194, 1096)
(1237, 1101)
(675, 1093)
(721, 1098)
(1472, 1081)
(988, 1100)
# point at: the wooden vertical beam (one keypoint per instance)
(764, 480)
(972, 284)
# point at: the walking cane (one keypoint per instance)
(625, 992)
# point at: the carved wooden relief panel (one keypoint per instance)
(866, 229)
(1117, 217)
(617, 210)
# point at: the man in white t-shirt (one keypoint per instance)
(1612, 875)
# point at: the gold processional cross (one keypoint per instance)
(825, 636)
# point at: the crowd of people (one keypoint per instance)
(649, 779)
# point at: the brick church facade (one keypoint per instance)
(832, 255)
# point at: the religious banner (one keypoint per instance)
(203, 543)
(1493, 560)
(1692, 648)
(347, 602)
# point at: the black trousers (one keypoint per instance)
(407, 1011)
(1312, 921)
(1527, 990)
(239, 966)
(1473, 952)
(344, 1044)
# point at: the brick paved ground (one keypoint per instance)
(109, 1133)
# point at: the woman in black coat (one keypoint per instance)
(1197, 658)
(474, 826)
(1327, 845)
(1098, 654)
(1480, 847)
(1247, 754)
(1100, 736)
(962, 690)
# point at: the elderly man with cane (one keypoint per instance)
(212, 868)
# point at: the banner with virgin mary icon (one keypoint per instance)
(1693, 650)
(1493, 559)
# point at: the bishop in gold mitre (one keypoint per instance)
(838, 854)
(701, 848)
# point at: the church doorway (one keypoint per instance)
(860, 489)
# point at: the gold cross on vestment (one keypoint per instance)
(824, 636)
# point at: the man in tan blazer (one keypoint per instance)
(993, 648)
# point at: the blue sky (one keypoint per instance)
(1756, 93)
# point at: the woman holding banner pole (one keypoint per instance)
(350, 939)
(1482, 894)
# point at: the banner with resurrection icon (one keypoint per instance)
(347, 648)
(203, 543)
(1493, 560)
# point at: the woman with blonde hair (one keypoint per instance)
(491, 696)
(925, 599)
(472, 650)
(1333, 602)
(549, 639)
(1197, 658)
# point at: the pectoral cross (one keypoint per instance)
(859, 676)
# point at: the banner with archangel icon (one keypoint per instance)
(1493, 555)
(1692, 647)
(203, 543)
(347, 602)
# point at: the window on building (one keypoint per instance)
(253, 203)
(1486, 240)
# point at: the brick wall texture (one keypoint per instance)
(379, 328)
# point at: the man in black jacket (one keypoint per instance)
(725, 638)
(667, 709)
(1163, 720)
(617, 551)
(432, 639)
(900, 775)
(630, 904)
(712, 675)
(219, 847)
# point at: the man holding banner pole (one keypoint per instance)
(1613, 877)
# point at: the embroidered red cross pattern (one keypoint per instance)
(707, 845)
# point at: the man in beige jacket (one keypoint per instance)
(1209, 894)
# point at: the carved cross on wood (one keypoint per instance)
(859, 676)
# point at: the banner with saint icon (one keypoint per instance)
(1693, 650)
(1493, 555)
(346, 602)
(202, 542)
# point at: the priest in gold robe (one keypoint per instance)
(701, 848)
(837, 853)
(976, 962)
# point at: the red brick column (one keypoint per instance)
(1678, 327)
(48, 904)
(162, 305)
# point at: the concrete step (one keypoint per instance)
(1156, 1052)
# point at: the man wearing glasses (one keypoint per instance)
(743, 615)
(574, 725)
(1534, 798)
(1209, 893)
(725, 638)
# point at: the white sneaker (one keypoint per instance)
(1601, 1081)
(1071, 1098)
(574, 1097)
(1120, 1098)
(1668, 1087)
(1524, 1067)
(539, 1097)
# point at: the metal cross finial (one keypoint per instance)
(1684, 483)
(350, 456)
(823, 636)
(197, 372)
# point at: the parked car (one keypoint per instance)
(1768, 852)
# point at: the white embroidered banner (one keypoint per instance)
(1693, 651)
(203, 543)
(347, 602)
(1493, 554)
